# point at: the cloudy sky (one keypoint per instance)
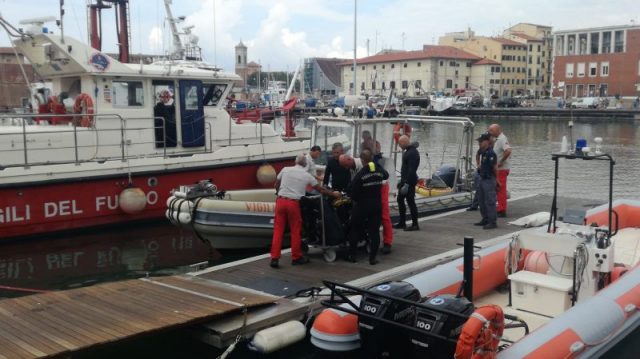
(279, 33)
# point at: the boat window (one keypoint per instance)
(213, 93)
(127, 93)
(191, 98)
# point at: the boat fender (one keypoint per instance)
(537, 261)
(266, 175)
(278, 337)
(481, 334)
(401, 129)
(184, 218)
(132, 200)
(179, 204)
(179, 194)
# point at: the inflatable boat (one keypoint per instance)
(567, 290)
(227, 220)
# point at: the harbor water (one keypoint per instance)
(150, 249)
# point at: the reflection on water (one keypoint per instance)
(69, 261)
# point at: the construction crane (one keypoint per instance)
(122, 25)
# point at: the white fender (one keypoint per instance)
(184, 218)
(275, 338)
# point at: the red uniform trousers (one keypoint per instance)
(502, 191)
(387, 226)
(287, 211)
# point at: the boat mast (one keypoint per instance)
(293, 82)
(62, 21)
(355, 39)
(178, 49)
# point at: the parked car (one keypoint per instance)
(507, 102)
(586, 102)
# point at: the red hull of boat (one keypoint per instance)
(33, 209)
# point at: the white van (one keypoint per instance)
(586, 102)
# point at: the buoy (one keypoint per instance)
(334, 330)
(271, 339)
(132, 200)
(266, 174)
(537, 262)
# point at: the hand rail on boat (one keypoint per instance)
(29, 119)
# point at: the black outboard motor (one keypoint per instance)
(436, 322)
(444, 177)
(378, 338)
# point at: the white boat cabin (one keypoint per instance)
(98, 108)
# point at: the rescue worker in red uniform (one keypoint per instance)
(290, 187)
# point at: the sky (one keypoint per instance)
(280, 33)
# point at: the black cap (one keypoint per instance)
(484, 137)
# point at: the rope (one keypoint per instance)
(239, 337)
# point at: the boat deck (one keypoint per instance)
(438, 235)
(61, 323)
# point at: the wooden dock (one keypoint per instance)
(57, 324)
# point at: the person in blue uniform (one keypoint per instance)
(486, 192)
(366, 216)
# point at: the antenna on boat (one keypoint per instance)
(62, 21)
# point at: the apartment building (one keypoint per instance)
(539, 46)
(603, 61)
(511, 55)
(411, 73)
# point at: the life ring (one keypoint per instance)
(401, 129)
(481, 334)
(84, 106)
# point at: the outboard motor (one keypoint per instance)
(378, 338)
(435, 322)
(444, 177)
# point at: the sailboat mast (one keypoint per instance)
(355, 40)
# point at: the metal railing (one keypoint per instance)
(102, 150)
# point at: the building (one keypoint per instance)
(602, 61)
(511, 55)
(322, 76)
(14, 91)
(412, 73)
(538, 41)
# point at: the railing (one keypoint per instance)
(103, 151)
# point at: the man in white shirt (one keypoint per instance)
(291, 185)
(502, 148)
(313, 155)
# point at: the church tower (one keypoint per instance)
(241, 62)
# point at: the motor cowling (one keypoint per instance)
(432, 320)
(444, 177)
(378, 338)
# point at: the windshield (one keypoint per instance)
(326, 135)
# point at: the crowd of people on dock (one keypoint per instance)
(366, 183)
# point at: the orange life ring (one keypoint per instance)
(84, 106)
(481, 334)
(401, 129)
